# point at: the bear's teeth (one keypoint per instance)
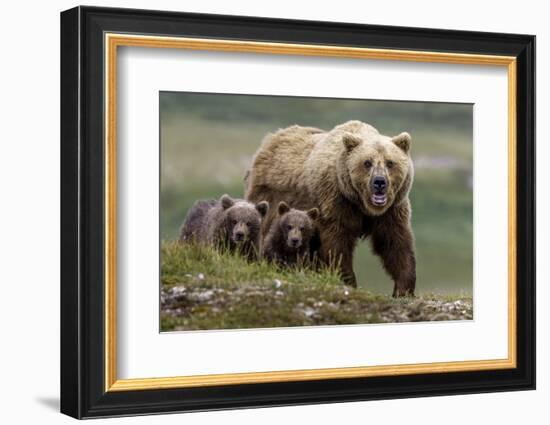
(379, 200)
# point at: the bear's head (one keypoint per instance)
(374, 171)
(242, 219)
(296, 226)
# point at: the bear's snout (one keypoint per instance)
(380, 185)
(294, 238)
(240, 232)
(295, 242)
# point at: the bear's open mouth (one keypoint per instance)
(379, 200)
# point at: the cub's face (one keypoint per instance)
(296, 226)
(377, 169)
(242, 219)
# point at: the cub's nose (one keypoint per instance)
(379, 184)
(295, 242)
(239, 236)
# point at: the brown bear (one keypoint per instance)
(288, 240)
(228, 223)
(359, 180)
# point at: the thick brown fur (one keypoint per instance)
(335, 171)
(288, 240)
(227, 223)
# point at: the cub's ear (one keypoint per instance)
(350, 141)
(227, 201)
(403, 141)
(313, 213)
(262, 207)
(283, 208)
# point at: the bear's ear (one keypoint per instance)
(262, 208)
(403, 141)
(313, 213)
(227, 201)
(350, 141)
(283, 208)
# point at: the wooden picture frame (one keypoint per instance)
(90, 38)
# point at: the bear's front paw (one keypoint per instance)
(403, 289)
(350, 280)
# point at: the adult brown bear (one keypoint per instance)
(360, 182)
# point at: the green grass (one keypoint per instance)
(182, 263)
(202, 288)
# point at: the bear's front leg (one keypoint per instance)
(337, 250)
(393, 240)
(346, 269)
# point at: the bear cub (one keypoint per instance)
(227, 223)
(288, 239)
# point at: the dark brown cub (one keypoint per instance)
(288, 239)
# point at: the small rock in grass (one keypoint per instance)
(200, 276)
(203, 296)
(178, 289)
(308, 312)
(277, 283)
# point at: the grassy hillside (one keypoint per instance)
(204, 289)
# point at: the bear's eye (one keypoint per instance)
(289, 227)
(390, 164)
(248, 223)
(368, 163)
(233, 222)
(302, 229)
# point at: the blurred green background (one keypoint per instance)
(208, 140)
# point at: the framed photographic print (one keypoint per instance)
(261, 212)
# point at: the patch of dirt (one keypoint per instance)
(308, 306)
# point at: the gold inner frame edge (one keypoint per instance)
(113, 41)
